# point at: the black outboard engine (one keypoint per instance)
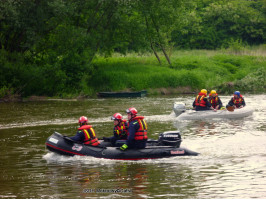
(170, 138)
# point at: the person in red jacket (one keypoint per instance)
(137, 129)
(201, 101)
(120, 129)
(86, 133)
(215, 101)
(237, 101)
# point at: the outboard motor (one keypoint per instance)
(179, 108)
(170, 138)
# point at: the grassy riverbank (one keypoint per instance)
(192, 70)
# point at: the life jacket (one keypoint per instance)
(214, 100)
(238, 101)
(141, 133)
(90, 137)
(199, 101)
(121, 130)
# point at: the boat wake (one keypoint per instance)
(53, 158)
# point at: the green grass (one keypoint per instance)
(195, 69)
(237, 68)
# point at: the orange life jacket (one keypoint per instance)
(238, 101)
(121, 130)
(199, 101)
(141, 133)
(90, 137)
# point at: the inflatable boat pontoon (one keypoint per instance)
(166, 146)
(183, 114)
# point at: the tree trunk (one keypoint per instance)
(155, 53)
(160, 41)
(152, 47)
(165, 54)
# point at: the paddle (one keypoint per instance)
(230, 108)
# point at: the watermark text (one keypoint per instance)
(102, 190)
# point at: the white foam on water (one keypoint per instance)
(54, 158)
(51, 122)
(161, 118)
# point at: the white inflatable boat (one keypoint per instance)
(183, 114)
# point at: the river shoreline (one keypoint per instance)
(158, 92)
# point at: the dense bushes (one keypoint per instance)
(253, 83)
(62, 77)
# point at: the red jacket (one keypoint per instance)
(141, 133)
(90, 136)
(238, 101)
(121, 130)
(199, 101)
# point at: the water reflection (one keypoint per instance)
(139, 179)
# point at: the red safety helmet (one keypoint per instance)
(132, 110)
(117, 116)
(83, 120)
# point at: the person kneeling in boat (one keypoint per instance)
(120, 129)
(85, 133)
(215, 101)
(201, 101)
(237, 101)
(137, 130)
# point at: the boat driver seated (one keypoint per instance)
(137, 129)
(201, 101)
(86, 133)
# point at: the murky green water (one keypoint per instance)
(231, 165)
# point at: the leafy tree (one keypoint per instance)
(160, 18)
(211, 25)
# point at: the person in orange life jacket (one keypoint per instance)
(120, 129)
(237, 100)
(201, 101)
(137, 130)
(85, 133)
(215, 100)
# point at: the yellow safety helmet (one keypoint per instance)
(204, 91)
(213, 92)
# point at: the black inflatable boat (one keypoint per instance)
(168, 145)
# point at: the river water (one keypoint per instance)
(232, 162)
